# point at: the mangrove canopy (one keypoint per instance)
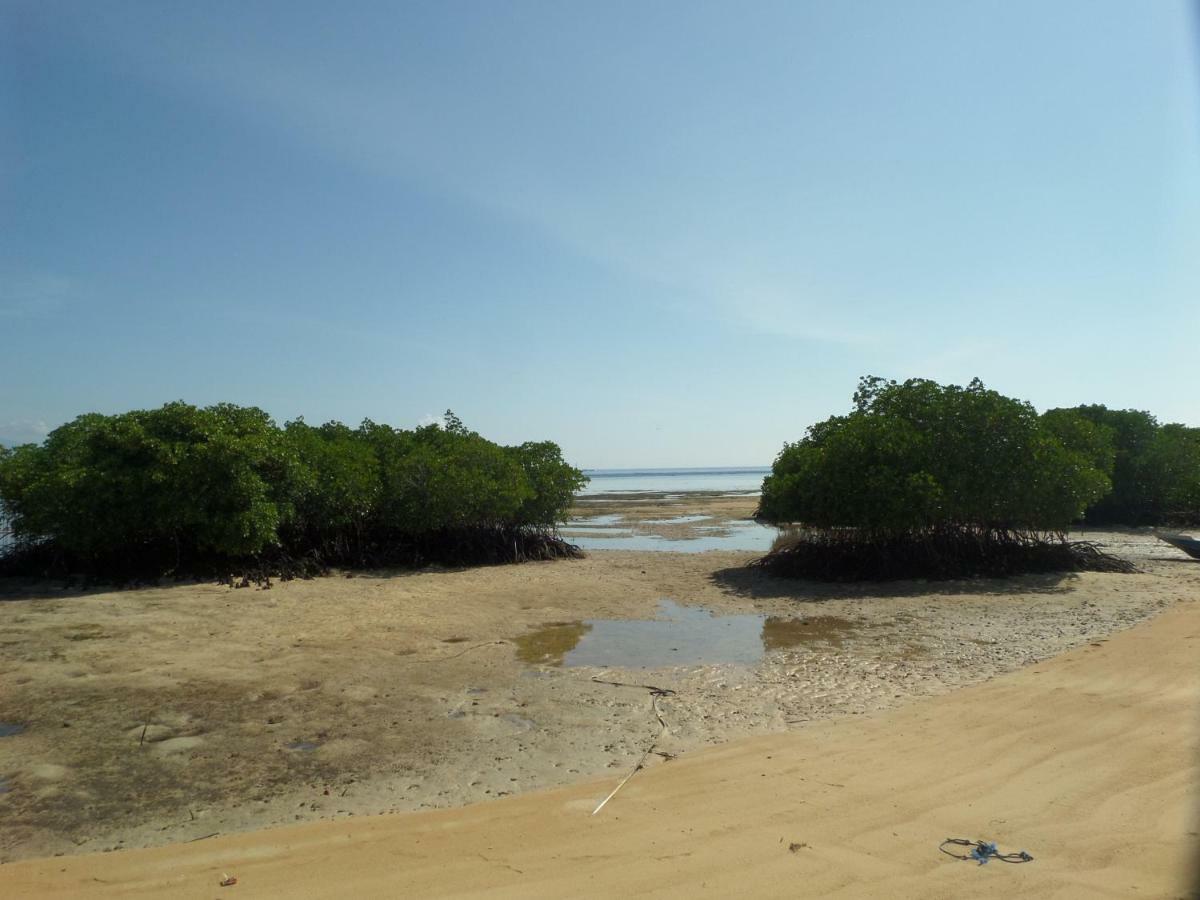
(186, 489)
(929, 480)
(1154, 468)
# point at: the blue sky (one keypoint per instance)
(657, 233)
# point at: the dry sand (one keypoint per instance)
(1088, 761)
(168, 714)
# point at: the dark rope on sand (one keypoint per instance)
(655, 694)
(438, 659)
(649, 687)
(982, 851)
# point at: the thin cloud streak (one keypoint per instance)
(30, 295)
(391, 136)
(23, 431)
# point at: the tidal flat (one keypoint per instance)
(171, 713)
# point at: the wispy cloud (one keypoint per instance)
(23, 431)
(33, 294)
(392, 130)
(960, 361)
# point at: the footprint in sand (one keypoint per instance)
(48, 772)
(178, 745)
(149, 734)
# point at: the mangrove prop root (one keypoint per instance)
(300, 556)
(850, 555)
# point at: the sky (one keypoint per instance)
(659, 234)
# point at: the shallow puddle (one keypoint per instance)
(8, 729)
(680, 636)
(551, 643)
(303, 746)
(739, 535)
(602, 521)
(780, 633)
(570, 530)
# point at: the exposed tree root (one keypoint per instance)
(850, 555)
(297, 558)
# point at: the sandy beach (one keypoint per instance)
(1087, 761)
(174, 713)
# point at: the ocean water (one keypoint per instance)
(736, 480)
(621, 487)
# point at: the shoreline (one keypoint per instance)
(1086, 760)
(164, 714)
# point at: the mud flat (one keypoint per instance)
(1088, 761)
(690, 522)
(167, 714)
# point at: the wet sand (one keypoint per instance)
(691, 522)
(168, 714)
(1087, 761)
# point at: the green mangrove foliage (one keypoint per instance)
(1154, 469)
(156, 490)
(929, 480)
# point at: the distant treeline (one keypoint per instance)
(182, 488)
(922, 479)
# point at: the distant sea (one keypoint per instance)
(744, 480)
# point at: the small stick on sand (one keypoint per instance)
(655, 694)
(650, 687)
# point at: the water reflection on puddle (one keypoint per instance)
(550, 644)
(572, 531)
(680, 636)
(8, 729)
(604, 521)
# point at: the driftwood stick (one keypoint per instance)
(661, 691)
(655, 694)
(438, 659)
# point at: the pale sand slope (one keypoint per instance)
(1089, 761)
(163, 714)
